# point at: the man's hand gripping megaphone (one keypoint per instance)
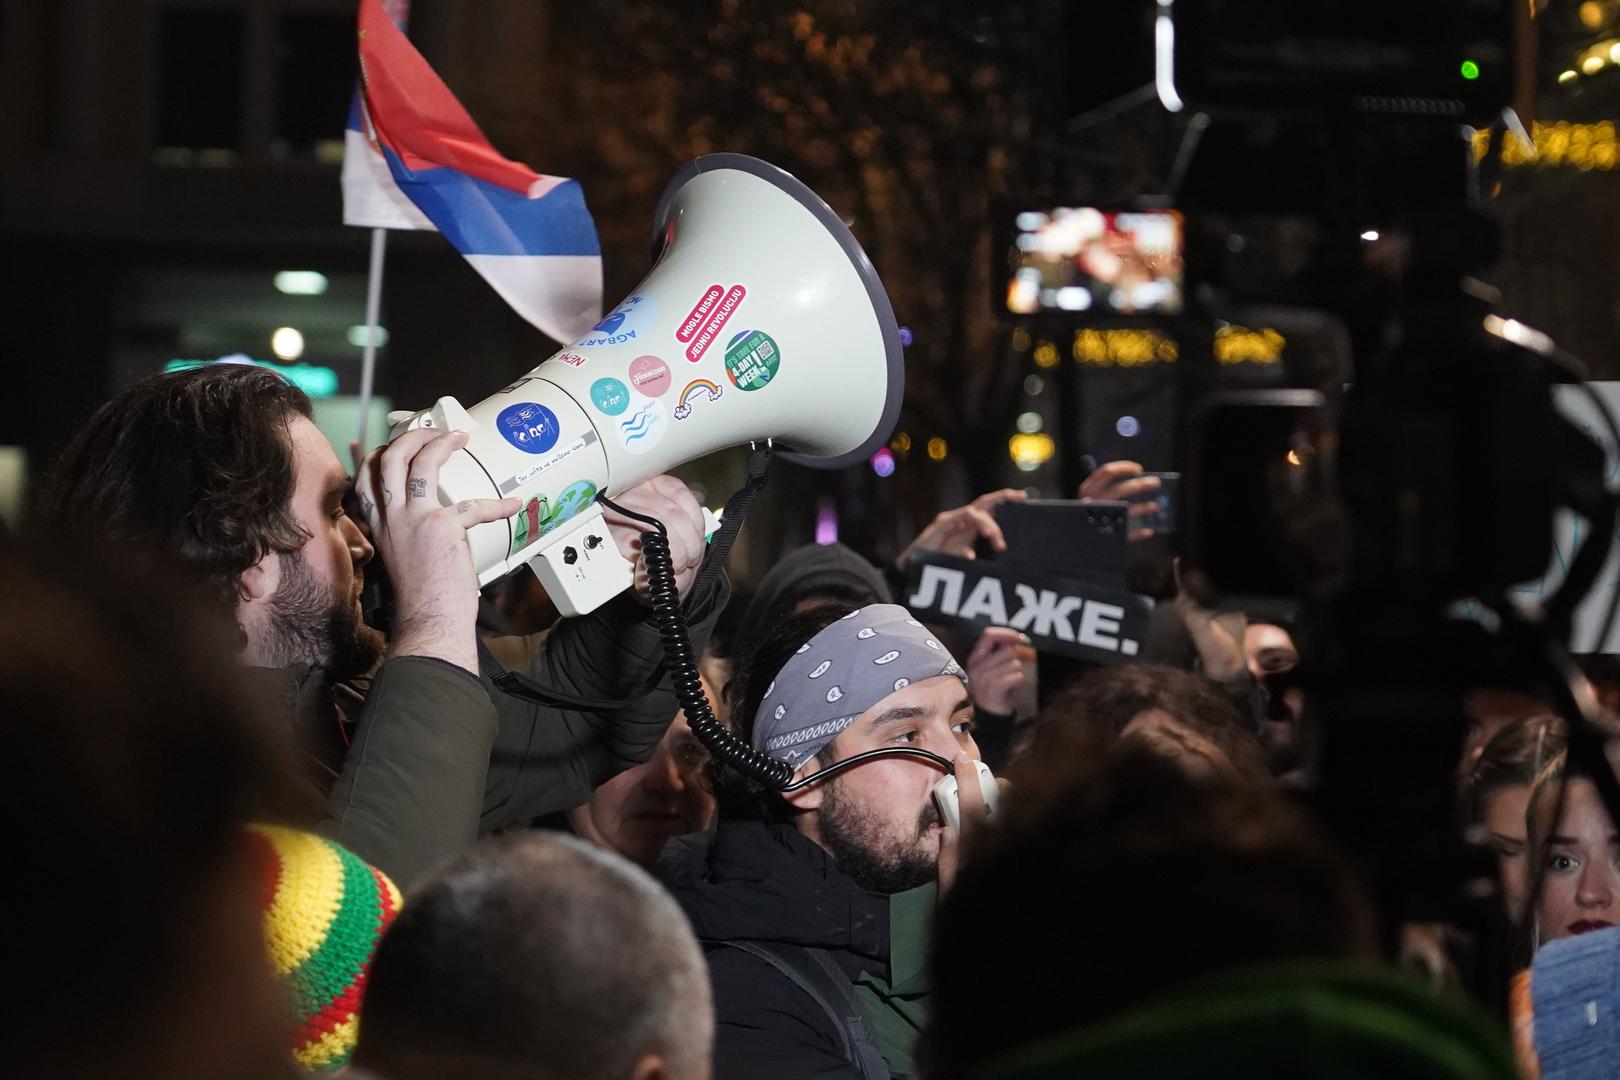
(424, 543)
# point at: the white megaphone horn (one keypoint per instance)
(761, 320)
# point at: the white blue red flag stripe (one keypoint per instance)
(371, 199)
(528, 234)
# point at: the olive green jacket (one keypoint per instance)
(435, 755)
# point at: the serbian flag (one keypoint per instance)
(414, 159)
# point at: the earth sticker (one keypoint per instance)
(752, 359)
(539, 517)
(575, 498)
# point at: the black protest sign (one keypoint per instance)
(1060, 614)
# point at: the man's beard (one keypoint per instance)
(310, 624)
(875, 861)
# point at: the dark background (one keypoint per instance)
(162, 159)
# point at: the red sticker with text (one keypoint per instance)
(717, 319)
(700, 312)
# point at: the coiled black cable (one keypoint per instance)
(676, 638)
(682, 664)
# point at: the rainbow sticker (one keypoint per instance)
(692, 391)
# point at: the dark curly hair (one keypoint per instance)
(196, 465)
(741, 796)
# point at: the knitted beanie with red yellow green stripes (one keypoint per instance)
(324, 909)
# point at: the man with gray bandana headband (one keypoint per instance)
(814, 906)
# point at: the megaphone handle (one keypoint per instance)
(732, 517)
(681, 661)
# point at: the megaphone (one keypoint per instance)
(762, 319)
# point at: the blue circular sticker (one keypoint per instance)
(611, 396)
(529, 426)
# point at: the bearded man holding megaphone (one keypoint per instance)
(761, 323)
(221, 470)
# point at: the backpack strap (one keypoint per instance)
(871, 1062)
(816, 973)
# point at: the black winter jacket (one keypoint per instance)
(750, 881)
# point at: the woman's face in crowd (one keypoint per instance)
(1580, 886)
(1271, 657)
(1502, 817)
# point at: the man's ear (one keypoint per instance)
(650, 1067)
(259, 581)
(808, 798)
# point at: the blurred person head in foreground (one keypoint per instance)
(1121, 866)
(128, 770)
(1180, 715)
(538, 956)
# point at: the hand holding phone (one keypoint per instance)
(1152, 495)
(957, 531)
(1160, 520)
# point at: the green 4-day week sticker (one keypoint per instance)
(752, 359)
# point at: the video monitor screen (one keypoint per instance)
(1079, 259)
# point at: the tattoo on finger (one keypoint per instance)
(366, 505)
(418, 487)
(388, 497)
(463, 507)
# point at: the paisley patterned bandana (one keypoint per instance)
(840, 673)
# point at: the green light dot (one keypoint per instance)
(1469, 69)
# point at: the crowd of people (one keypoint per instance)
(261, 838)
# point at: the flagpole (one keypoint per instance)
(368, 358)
